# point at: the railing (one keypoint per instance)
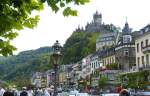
(131, 70)
(146, 49)
(122, 44)
(145, 67)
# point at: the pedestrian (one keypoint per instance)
(15, 92)
(38, 92)
(24, 92)
(46, 93)
(30, 92)
(124, 92)
(1, 91)
(8, 93)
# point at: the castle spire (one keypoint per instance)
(126, 19)
(126, 28)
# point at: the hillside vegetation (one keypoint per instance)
(19, 68)
(23, 65)
(79, 45)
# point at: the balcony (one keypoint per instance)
(144, 67)
(146, 49)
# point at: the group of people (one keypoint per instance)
(26, 92)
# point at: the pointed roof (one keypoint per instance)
(126, 28)
(97, 14)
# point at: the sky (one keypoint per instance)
(52, 27)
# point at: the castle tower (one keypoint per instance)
(126, 29)
(97, 17)
(126, 33)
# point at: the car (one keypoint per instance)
(110, 94)
(143, 94)
(82, 94)
(73, 92)
(59, 89)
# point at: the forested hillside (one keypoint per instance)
(19, 68)
(79, 45)
(24, 64)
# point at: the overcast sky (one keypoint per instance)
(54, 27)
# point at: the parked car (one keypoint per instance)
(59, 89)
(73, 93)
(143, 94)
(82, 94)
(110, 94)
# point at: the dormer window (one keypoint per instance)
(127, 39)
(126, 52)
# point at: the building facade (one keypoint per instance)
(39, 79)
(109, 57)
(95, 62)
(125, 50)
(143, 49)
(106, 40)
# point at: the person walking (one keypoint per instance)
(38, 92)
(124, 92)
(24, 92)
(1, 91)
(46, 93)
(30, 92)
(8, 93)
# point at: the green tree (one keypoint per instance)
(79, 45)
(15, 15)
(102, 82)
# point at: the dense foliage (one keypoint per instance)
(15, 15)
(79, 45)
(102, 82)
(21, 66)
(137, 80)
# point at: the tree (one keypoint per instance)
(102, 82)
(15, 15)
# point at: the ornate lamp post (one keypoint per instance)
(56, 57)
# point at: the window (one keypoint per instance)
(146, 42)
(126, 52)
(103, 63)
(127, 39)
(143, 60)
(147, 59)
(137, 46)
(110, 60)
(138, 61)
(141, 45)
(113, 60)
(107, 60)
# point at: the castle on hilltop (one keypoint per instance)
(96, 25)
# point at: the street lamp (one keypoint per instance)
(56, 57)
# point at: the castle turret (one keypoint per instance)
(126, 33)
(126, 29)
(97, 17)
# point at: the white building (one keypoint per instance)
(86, 68)
(50, 77)
(95, 62)
(143, 49)
(106, 40)
(36, 79)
